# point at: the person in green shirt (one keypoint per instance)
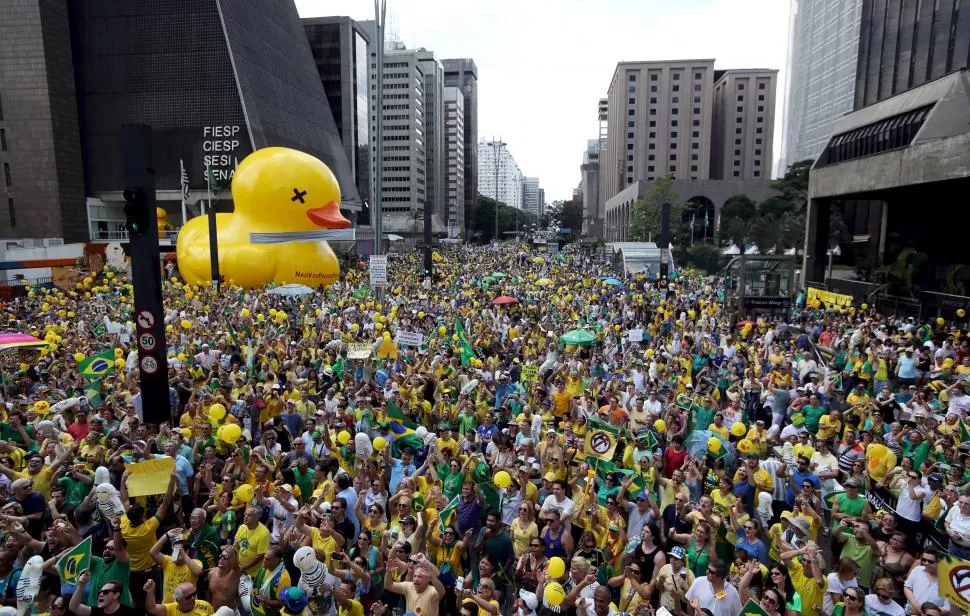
(203, 539)
(915, 448)
(113, 564)
(76, 482)
(303, 476)
(18, 432)
(813, 412)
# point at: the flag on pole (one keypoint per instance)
(92, 391)
(213, 183)
(467, 352)
(601, 439)
(184, 183)
(964, 432)
(752, 608)
(444, 517)
(70, 566)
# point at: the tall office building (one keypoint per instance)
(822, 57)
(212, 87)
(590, 181)
(340, 49)
(904, 44)
(400, 110)
(542, 201)
(454, 156)
(743, 124)
(462, 73)
(499, 176)
(530, 196)
(434, 137)
(659, 122)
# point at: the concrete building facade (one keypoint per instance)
(590, 182)
(499, 176)
(530, 196)
(434, 134)
(340, 49)
(744, 124)
(822, 58)
(462, 73)
(454, 168)
(659, 122)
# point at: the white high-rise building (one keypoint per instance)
(530, 196)
(499, 176)
(434, 138)
(454, 159)
(822, 62)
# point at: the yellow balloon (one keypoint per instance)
(272, 312)
(343, 437)
(961, 312)
(864, 306)
(269, 181)
(420, 314)
(380, 443)
(79, 357)
(244, 312)
(354, 327)
(940, 321)
(186, 324)
(738, 429)
(24, 367)
(119, 364)
(378, 326)
(649, 352)
(245, 493)
(387, 336)
(714, 444)
(442, 330)
(556, 567)
(229, 433)
(169, 328)
(182, 357)
(745, 445)
(502, 479)
(554, 594)
(217, 411)
(660, 426)
(260, 317)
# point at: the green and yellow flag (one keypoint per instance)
(751, 608)
(467, 352)
(964, 432)
(97, 366)
(601, 439)
(953, 576)
(70, 566)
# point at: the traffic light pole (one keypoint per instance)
(146, 272)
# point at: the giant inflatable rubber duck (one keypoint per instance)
(287, 205)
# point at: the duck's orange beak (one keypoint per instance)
(328, 217)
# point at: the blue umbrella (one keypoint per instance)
(616, 282)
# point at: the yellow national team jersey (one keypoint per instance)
(202, 608)
(140, 540)
(252, 543)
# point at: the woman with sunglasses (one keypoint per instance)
(373, 521)
(373, 561)
(778, 579)
(699, 546)
(523, 528)
(530, 565)
(633, 590)
(447, 553)
(852, 604)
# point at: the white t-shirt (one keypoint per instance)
(282, 519)
(908, 508)
(875, 607)
(925, 589)
(959, 523)
(703, 591)
(565, 506)
(835, 586)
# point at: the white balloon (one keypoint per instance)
(421, 431)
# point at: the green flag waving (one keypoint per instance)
(97, 366)
(70, 566)
(467, 352)
(444, 516)
(92, 391)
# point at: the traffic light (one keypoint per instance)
(137, 220)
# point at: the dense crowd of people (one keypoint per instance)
(558, 442)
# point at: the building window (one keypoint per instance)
(653, 100)
(696, 122)
(652, 124)
(737, 130)
(653, 112)
(761, 108)
(673, 123)
(695, 146)
(696, 134)
(698, 76)
(757, 174)
(737, 174)
(631, 76)
(673, 135)
(675, 88)
(650, 168)
(697, 87)
(737, 142)
(757, 152)
(629, 180)
(633, 89)
(651, 157)
(653, 76)
(675, 99)
(3, 140)
(740, 98)
(13, 213)
(757, 141)
(675, 76)
(629, 124)
(759, 130)
(653, 88)
(673, 157)
(693, 167)
(757, 163)
(760, 119)
(737, 152)
(631, 112)
(697, 110)
(651, 146)
(629, 146)
(6, 174)
(629, 135)
(761, 86)
(740, 86)
(673, 168)
(761, 97)
(632, 101)
(629, 169)
(629, 157)
(694, 157)
(652, 134)
(673, 111)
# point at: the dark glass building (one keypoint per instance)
(340, 49)
(906, 43)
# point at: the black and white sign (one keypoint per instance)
(145, 319)
(146, 341)
(378, 270)
(149, 364)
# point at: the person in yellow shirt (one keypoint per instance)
(37, 472)
(762, 478)
(139, 536)
(346, 604)
(829, 426)
(185, 604)
(177, 568)
(271, 578)
(252, 541)
(808, 580)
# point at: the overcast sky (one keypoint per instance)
(544, 64)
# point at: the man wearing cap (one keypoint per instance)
(282, 510)
(178, 568)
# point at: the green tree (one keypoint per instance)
(645, 217)
(794, 185)
(737, 218)
(568, 214)
(510, 219)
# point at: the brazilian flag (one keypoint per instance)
(404, 437)
(74, 562)
(97, 366)
(92, 391)
(467, 352)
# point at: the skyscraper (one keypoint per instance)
(904, 44)
(744, 124)
(592, 214)
(434, 138)
(454, 155)
(462, 73)
(824, 47)
(499, 176)
(340, 49)
(530, 195)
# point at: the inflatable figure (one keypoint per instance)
(287, 205)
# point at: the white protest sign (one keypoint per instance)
(378, 270)
(410, 338)
(635, 335)
(359, 350)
